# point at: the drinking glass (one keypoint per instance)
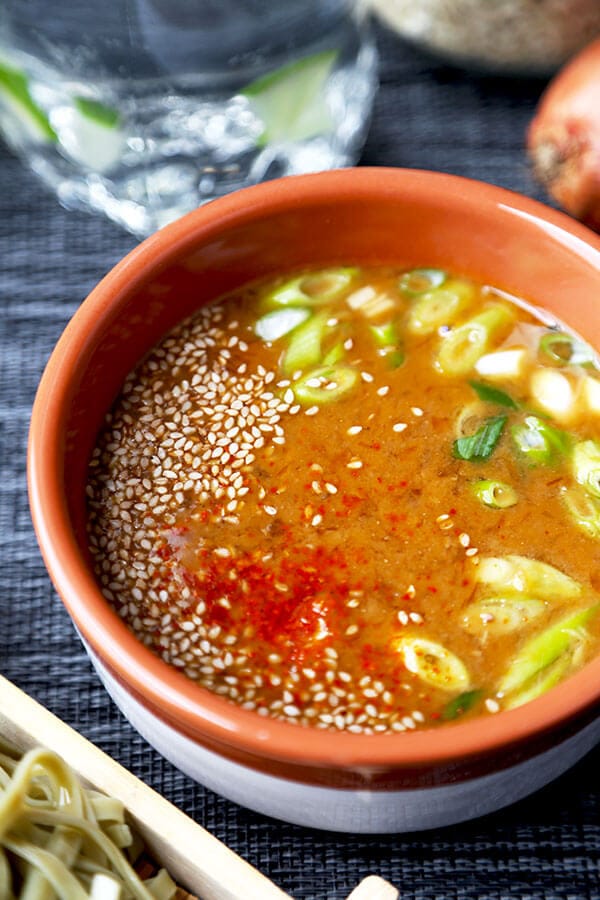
(144, 109)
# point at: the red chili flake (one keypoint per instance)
(304, 619)
(351, 500)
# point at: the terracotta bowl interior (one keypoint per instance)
(362, 217)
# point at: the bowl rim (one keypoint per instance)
(171, 694)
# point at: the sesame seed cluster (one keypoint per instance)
(182, 442)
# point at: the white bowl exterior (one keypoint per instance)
(349, 810)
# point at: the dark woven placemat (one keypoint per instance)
(547, 847)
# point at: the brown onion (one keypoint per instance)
(564, 137)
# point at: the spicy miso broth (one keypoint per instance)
(358, 499)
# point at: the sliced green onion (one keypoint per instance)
(386, 335)
(586, 466)
(544, 649)
(538, 442)
(469, 418)
(418, 281)
(584, 510)
(526, 576)
(490, 394)
(291, 101)
(15, 93)
(481, 445)
(97, 112)
(501, 615)
(304, 349)
(313, 289)
(495, 494)
(280, 322)
(388, 339)
(561, 349)
(335, 355)
(433, 663)
(462, 347)
(542, 682)
(395, 358)
(461, 704)
(325, 385)
(440, 306)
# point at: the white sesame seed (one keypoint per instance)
(354, 464)
(399, 426)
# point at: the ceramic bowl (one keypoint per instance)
(338, 781)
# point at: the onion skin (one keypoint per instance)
(563, 139)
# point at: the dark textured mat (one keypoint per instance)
(547, 847)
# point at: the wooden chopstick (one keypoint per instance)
(195, 859)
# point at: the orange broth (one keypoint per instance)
(347, 525)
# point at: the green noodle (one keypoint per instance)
(60, 841)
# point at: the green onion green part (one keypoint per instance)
(418, 281)
(561, 349)
(98, 112)
(584, 510)
(387, 338)
(335, 355)
(538, 442)
(542, 682)
(463, 346)
(440, 306)
(304, 349)
(480, 446)
(461, 704)
(495, 494)
(314, 289)
(490, 394)
(547, 647)
(395, 358)
(291, 101)
(324, 385)
(14, 88)
(585, 463)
